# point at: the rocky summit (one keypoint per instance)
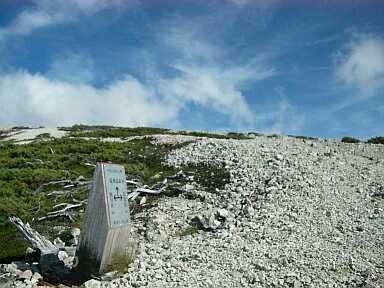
(292, 213)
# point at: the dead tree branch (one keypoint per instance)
(155, 189)
(38, 241)
(63, 212)
(79, 182)
(57, 182)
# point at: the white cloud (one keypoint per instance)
(35, 100)
(38, 100)
(363, 64)
(46, 13)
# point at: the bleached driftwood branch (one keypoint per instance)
(63, 212)
(38, 241)
(155, 189)
(89, 164)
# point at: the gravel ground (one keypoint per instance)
(296, 213)
(301, 213)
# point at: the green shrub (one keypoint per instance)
(239, 136)
(376, 140)
(43, 136)
(113, 132)
(66, 237)
(350, 140)
(20, 127)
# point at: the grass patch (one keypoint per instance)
(190, 230)
(43, 136)
(122, 262)
(12, 244)
(211, 177)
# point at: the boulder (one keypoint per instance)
(91, 284)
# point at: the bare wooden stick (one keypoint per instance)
(133, 182)
(66, 208)
(79, 201)
(133, 195)
(58, 193)
(63, 212)
(51, 183)
(65, 183)
(149, 191)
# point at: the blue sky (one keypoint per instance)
(292, 67)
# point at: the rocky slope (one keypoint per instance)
(295, 213)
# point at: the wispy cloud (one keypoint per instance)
(73, 68)
(206, 77)
(45, 13)
(362, 64)
(282, 116)
(212, 89)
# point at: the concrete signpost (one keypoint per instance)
(105, 232)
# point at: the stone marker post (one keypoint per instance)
(105, 231)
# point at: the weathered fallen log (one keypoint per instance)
(38, 241)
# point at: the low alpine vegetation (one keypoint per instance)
(376, 140)
(348, 139)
